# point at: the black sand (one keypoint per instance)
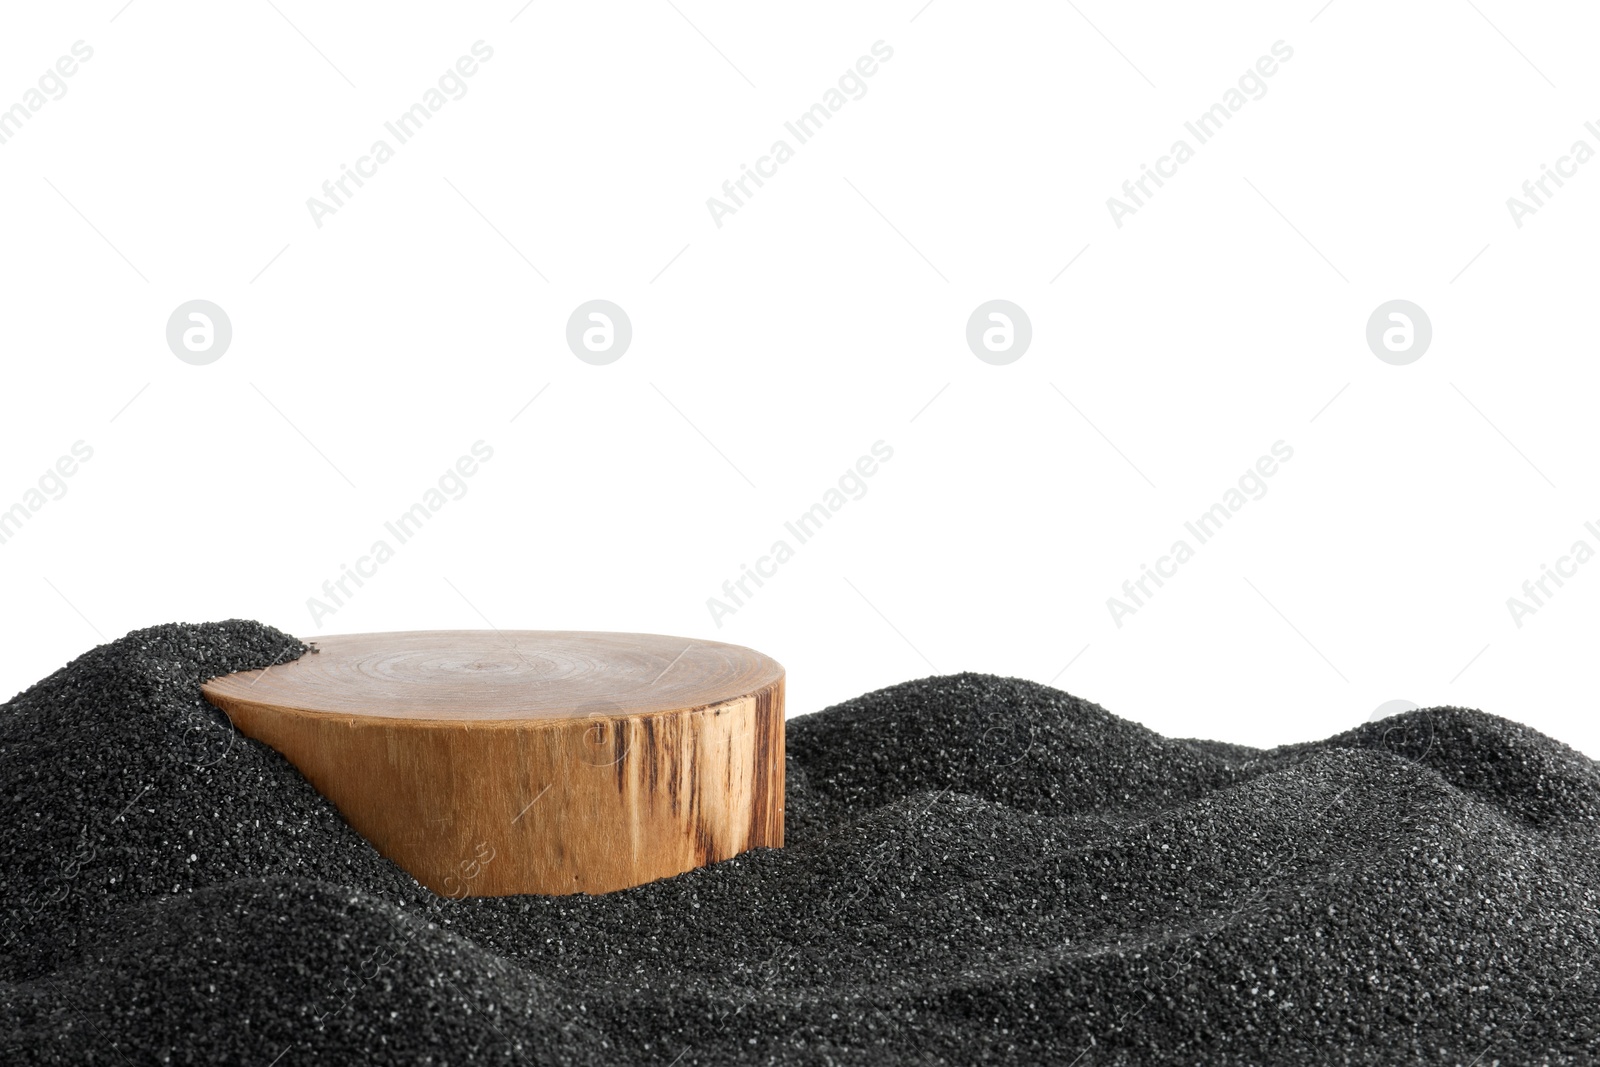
(980, 869)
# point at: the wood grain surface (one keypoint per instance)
(492, 762)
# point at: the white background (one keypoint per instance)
(827, 314)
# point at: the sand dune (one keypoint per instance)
(979, 869)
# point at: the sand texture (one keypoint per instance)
(977, 870)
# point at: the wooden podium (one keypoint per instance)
(488, 763)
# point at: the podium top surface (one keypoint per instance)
(501, 676)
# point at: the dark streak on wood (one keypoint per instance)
(649, 757)
(619, 743)
(694, 770)
(766, 771)
(705, 843)
(674, 752)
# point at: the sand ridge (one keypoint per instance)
(978, 869)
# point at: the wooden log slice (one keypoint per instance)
(487, 763)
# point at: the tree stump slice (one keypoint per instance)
(488, 763)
